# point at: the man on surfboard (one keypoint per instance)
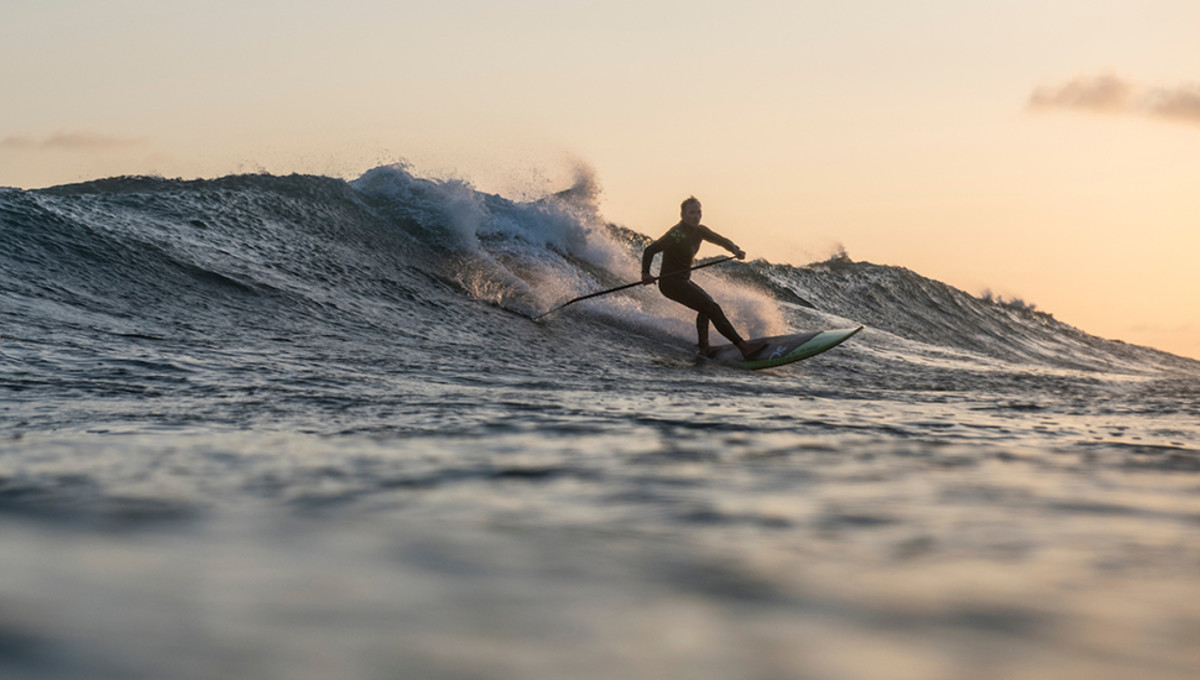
(679, 246)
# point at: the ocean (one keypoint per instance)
(298, 427)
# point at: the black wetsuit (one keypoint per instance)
(679, 247)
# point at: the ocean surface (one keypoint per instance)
(298, 427)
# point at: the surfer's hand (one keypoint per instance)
(647, 279)
(739, 254)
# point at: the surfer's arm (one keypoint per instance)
(714, 237)
(648, 259)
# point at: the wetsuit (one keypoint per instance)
(679, 247)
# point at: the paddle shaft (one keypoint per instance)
(631, 285)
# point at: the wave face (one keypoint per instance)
(215, 284)
(198, 278)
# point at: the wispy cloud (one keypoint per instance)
(1091, 93)
(1182, 103)
(1108, 93)
(81, 140)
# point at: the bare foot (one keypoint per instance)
(749, 349)
(707, 351)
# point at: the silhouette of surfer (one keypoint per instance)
(679, 246)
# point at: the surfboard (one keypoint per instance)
(784, 349)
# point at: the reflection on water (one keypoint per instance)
(987, 539)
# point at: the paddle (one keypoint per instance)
(631, 285)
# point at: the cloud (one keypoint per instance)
(1182, 103)
(1111, 94)
(1091, 93)
(81, 140)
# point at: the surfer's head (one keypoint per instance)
(689, 210)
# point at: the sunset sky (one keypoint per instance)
(1046, 150)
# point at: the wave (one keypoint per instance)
(427, 260)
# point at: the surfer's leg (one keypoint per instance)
(690, 295)
(748, 348)
(711, 311)
(702, 331)
(722, 323)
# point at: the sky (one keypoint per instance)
(1045, 150)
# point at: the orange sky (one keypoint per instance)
(1047, 151)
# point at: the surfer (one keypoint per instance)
(679, 246)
